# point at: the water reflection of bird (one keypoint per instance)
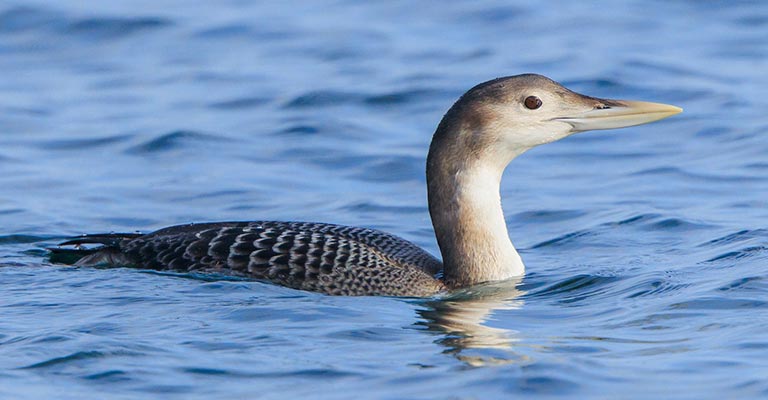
(490, 125)
(462, 319)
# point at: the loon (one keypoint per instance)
(482, 132)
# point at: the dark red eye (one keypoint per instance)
(532, 102)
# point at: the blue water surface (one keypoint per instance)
(647, 248)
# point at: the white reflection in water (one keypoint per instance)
(463, 316)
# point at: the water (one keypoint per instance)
(647, 247)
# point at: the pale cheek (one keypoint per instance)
(552, 133)
(527, 137)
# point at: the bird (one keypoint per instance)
(481, 133)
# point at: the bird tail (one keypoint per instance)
(92, 250)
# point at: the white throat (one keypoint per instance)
(465, 206)
(482, 218)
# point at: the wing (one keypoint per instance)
(326, 258)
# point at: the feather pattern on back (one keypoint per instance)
(326, 258)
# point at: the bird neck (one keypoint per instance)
(465, 206)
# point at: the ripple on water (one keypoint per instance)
(720, 304)
(576, 288)
(656, 321)
(676, 224)
(323, 98)
(376, 207)
(80, 357)
(650, 222)
(391, 169)
(114, 27)
(495, 14)
(17, 19)
(714, 131)
(757, 165)
(740, 236)
(636, 219)
(112, 376)
(370, 334)
(542, 216)
(83, 143)
(653, 287)
(171, 141)
(406, 96)
(566, 240)
(266, 32)
(320, 373)
(757, 284)
(25, 18)
(741, 254)
(330, 129)
(691, 176)
(326, 98)
(240, 103)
